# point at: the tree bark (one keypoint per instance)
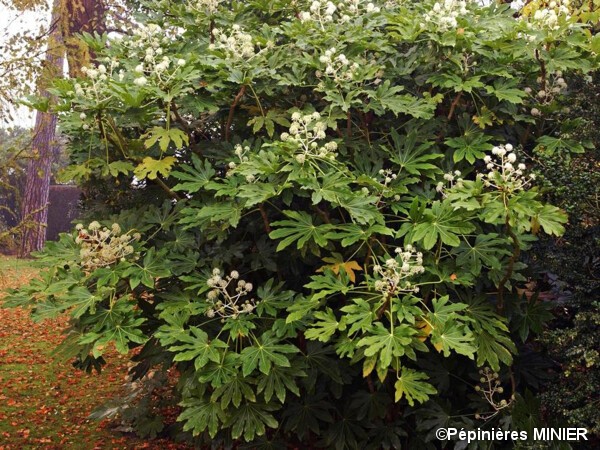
(69, 18)
(34, 211)
(81, 16)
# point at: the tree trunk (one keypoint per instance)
(69, 17)
(81, 16)
(34, 211)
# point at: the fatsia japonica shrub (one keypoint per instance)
(337, 199)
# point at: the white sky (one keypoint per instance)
(12, 22)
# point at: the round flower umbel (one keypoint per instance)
(451, 179)
(95, 85)
(444, 14)
(147, 65)
(549, 89)
(491, 388)
(337, 67)
(320, 11)
(305, 133)
(206, 7)
(504, 172)
(101, 246)
(393, 276)
(237, 45)
(240, 152)
(550, 17)
(324, 11)
(229, 295)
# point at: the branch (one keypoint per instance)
(510, 268)
(236, 100)
(180, 120)
(454, 103)
(167, 189)
(265, 218)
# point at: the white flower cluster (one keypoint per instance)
(95, 87)
(324, 11)
(146, 45)
(240, 152)
(552, 87)
(207, 7)
(237, 45)
(452, 179)
(551, 15)
(337, 67)
(305, 131)
(224, 303)
(444, 14)
(504, 171)
(489, 386)
(101, 246)
(396, 272)
(150, 36)
(156, 68)
(388, 175)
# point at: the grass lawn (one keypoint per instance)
(44, 403)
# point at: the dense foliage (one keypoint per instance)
(570, 267)
(331, 206)
(13, 157)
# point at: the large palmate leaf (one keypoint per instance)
(279, 381)
(329, 188)
(266, 352)
(387, 343)
(453, 337)
(485, 251)
(154, 266)
(204, 216)
(299, 229)
(550, 219)
(325, 326)
(444, 310)
(195, 176)
(119, 329)
(164, 137)
(200, 415)
(472, 145)
(233, 391)
(493, 349)
(411, 385)
(151, 168)
(351, 233)
(441, 222)
(504, 89)
(413, 157)
(250, 420)
(362, 210)
(196, 346)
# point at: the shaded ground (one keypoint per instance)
(44, 403)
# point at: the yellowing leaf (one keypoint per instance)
(425, 329)
(164, 137)
(486, 118)
(150, 167)
(336, 262)
(369, 365)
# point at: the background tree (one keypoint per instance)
(22, 50)
(44, 146)
(69, 18)
(14, 150)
